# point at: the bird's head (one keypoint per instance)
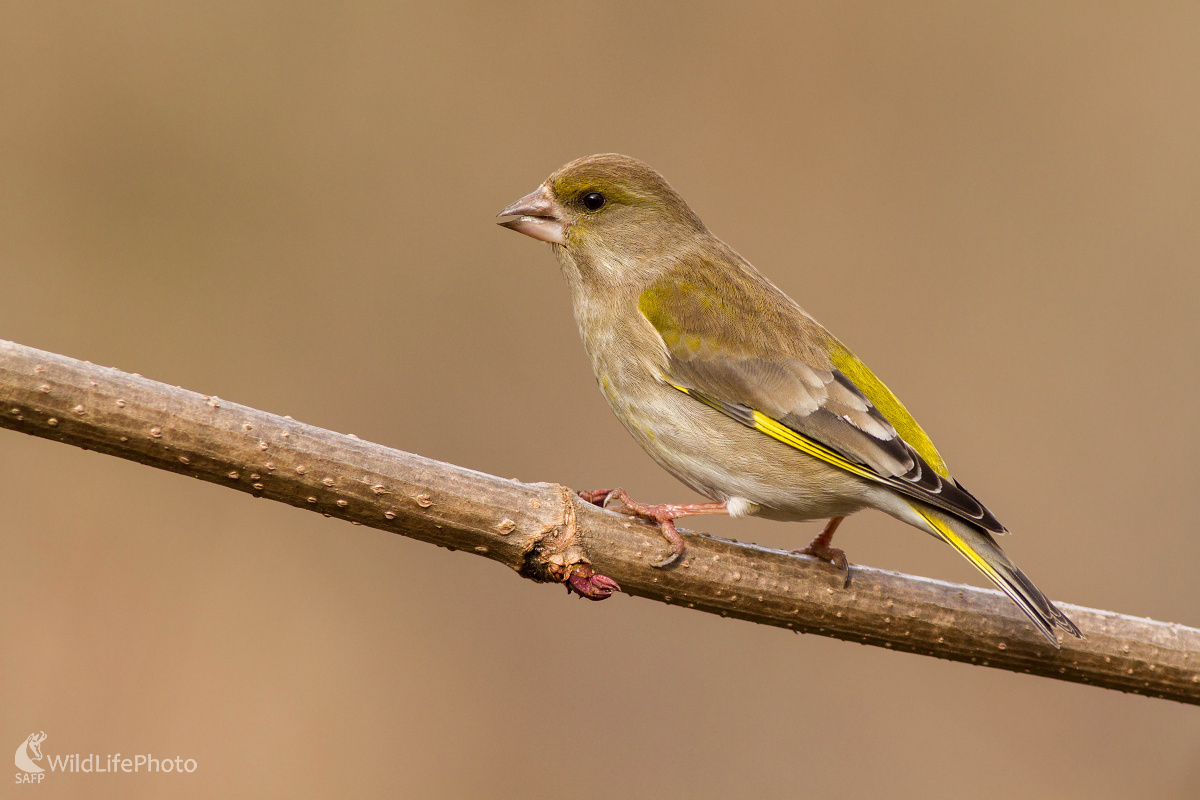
(604, 201)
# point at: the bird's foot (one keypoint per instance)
(821, 548)
(834, 555)
(665, 515)
(596, 497)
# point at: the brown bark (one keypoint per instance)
(544, 532)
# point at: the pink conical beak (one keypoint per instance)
(540, 216)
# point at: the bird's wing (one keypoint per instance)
(740, 346)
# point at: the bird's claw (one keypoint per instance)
(662, 515)
(834, 555)
(667, 526)
(597, 497)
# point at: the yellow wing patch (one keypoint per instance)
(782, 433)
(888, 404)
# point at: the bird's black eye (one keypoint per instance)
(592, 201)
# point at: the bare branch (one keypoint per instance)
(544, 532)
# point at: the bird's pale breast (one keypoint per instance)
(713, 454)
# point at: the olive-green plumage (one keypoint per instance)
(730, 385)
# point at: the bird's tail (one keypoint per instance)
(981, 549)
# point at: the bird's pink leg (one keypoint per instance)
(665, 515)
(820, 548)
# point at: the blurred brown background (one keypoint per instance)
(291, 206)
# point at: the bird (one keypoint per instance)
(729, 385)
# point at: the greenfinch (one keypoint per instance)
(732, 387)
